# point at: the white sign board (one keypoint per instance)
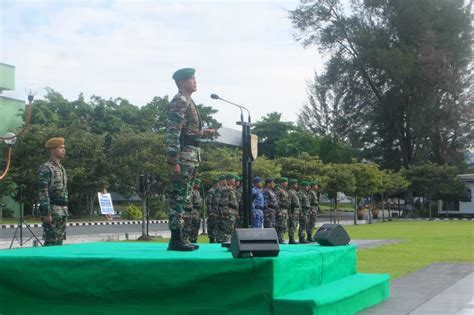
(105, 202)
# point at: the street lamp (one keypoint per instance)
(10, 138)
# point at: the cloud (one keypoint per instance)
(243, 51)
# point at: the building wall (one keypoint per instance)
(11, 114)
(7, 77)
(468, 207)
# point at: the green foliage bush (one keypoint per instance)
(132, 212)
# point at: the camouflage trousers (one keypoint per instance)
(225, 224)
(312, 216)
(55, 232)
(212, 217)
(303, 221)
(293, 223)
(180, 194)
(269, 218)
(257, 218)
(192, 224)
(281, 222)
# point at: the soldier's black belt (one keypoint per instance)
(191, 140)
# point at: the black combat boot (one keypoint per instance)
(281, 241)
(212, 239)
(177, 243)
(309, 238)
(302, 240)
(292, 240)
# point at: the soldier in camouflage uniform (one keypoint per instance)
(313, 210)
(52, 193)
(294, 208)
(257, 203)
(192, 220)
(270, 205)
(238, 194)
(183, 136)
(227, 210)
(281, 217)
(212, 211)
(303, 220)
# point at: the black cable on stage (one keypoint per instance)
(258, 283)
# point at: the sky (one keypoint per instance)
(244, 51)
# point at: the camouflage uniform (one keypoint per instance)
(312, 213)
(270, 207)
(294, 208)
(303, 219)
(227, 213)
(192, 220)
(52, 193)
(212, 214)
(183, 134)
(281, 217)
(257, 207)
(240, 201)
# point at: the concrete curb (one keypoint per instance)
(345, 222)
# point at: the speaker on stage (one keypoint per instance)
(332, 235)
(254, 242)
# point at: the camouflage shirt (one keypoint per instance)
(282, 195)
(52, 187)
(225, 198)
(271, 201)
(196, 200)
(293, 200)
(313, 198)
(183, 120)
(304, 200)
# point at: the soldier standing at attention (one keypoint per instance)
(313, 210)
(270, 205)
(281, 216)
(257, 203)
(303, 220)
(294, 209)
(238, 194)
(211, 210)
(227, 209)
(183, 137)
(52, 193)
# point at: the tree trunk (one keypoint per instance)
(383, 207)
(144, 215)
(429, 206)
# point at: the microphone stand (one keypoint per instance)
(246, 163)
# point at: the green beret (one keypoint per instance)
(197, 181)
(283, 179)
(304, 183)
(54, 143)
(183, 74)
(215, 181)
(230, 176)
(293, 181)
(313, 183)
(222, 177)
(238, 178)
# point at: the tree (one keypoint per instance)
(269, 130)
(266, 168)
(302, 167)
(393, 183)
(296, 142)
(399, 70)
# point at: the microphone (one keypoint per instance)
(216, 97)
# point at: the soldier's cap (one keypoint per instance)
(197, 181)
(313, 183)
(54, 143)
(215, 181)
(257, 180)
(304, 183)
(183, 74)
(222, 177)
(238, 178)
(293, 181)
(282, 179)
(268, 180)
(230, 176)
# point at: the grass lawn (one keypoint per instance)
(424, 243)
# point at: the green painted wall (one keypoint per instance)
(10, 114)
(7, 77)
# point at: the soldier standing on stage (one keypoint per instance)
(281, 216)
(294, 208)
(303, 220)
(270, 204)
(227, 209)
(183, 137)
(52, 193)
(313, 210)
(257, 203)
(192, 220)
(212, 211)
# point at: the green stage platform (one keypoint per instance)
(145, 278)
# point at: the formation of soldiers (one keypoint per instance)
(283, 204)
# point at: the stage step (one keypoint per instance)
(348, 295)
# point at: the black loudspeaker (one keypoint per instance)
(332, 235)
(254, 242)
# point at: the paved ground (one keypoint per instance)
(440, 288)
